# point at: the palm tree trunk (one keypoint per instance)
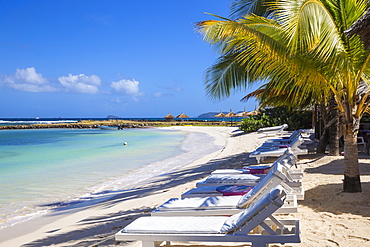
(325, 134)
(324, 140)
(334, 128)
(351, 182)
(330, 133)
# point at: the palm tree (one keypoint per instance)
(330, 132)
(300, 51)
(240, 8)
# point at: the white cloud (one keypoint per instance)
(158, 94)
(29, 75)
(28, 80)
(33, 88)
(176, 88)
(171, 89)
(129, 87)
(116, 100)
(80, 83)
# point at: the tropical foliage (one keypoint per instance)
(278, 116)
(299, 50)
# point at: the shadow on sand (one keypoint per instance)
(323, 198)
(106, 226)
(336, 166)
(330, 198)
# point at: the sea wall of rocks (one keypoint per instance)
(119, 125)
(75, 126)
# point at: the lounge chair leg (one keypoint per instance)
(259, 244)
(148, 244)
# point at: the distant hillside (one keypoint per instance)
(209, 114)
(213, 114)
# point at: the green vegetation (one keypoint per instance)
(278, 116)
(299, 49)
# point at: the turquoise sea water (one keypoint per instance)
(45, 168)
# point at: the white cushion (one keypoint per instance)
(238, 220)
(234, 178)
(197, 225)
(200, 203)
(273, 178)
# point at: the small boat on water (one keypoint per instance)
(103, 127)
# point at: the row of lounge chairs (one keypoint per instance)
(291, 177)
(276, 147)
(237, 228)
(275, 130)
(209, 214)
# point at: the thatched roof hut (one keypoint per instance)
(220, 114)
(362, 28)
(231, 114)
(254, 113)
(169, 117)
(182, 115)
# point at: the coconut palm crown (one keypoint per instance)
(301, 54)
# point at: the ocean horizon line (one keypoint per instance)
(27, 121)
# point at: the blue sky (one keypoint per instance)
(90, 58)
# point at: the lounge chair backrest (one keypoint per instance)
(285, 139)
(295, 134)
(272, 179)
(287, 152)
(257, 212)
(273, 128)
(296, 142)
(288, 162)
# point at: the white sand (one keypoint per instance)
(327, 216)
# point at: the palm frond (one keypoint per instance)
(301, 51)
(240, 8)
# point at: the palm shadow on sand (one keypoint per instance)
(329, 197)
(107, 225)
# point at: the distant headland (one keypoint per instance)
(120, 124)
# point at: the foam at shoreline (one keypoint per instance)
(195, 145)
(54, 227)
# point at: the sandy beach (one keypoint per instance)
(327, 216)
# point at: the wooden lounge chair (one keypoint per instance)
(251, 179)
(211, 188)
(264, 168)
(272, 145)
(254, 225)
(276, 151)
(226, 205)
(286, 139)
(275, 130)
(207, 191)
(268, 145)
(361, 142)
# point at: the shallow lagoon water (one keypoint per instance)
(45, 168)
